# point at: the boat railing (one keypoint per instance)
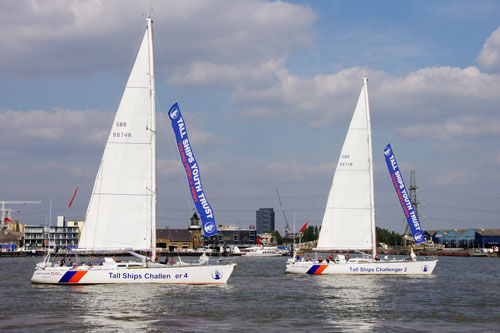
(224, 261)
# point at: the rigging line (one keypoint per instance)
(255, 197)
(83, 174)
(163, 116)
(461, 208)
(238, 210)
(165, 126)
(491, 196)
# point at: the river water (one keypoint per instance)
(461, 296)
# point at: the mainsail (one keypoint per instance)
(122, 209)
(403, 196)
(349, 219)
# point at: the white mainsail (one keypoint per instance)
(122, 209)
(349, 219)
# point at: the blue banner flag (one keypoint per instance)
(403, 196)
(192, 172)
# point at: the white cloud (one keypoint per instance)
(458, 176)
(463, 127)
(58, 128)
(489, 58)
(73, 131)
(431, 96)
(206, 73)
(66, 37)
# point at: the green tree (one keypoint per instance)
(388, 237)
(310, 234)
(277, 236)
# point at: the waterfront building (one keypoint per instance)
(10, 240)
(174, 240)
(488, 238)
(230, 236)
(469, 239)
(465, 238)
(265, 220)
(64, 235)
(451, 239)
(266, 238)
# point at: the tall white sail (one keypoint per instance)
(122, 209)
(349, 220)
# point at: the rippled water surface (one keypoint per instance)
(461, 296)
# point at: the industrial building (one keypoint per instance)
(465, 238)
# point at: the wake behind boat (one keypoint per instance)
(349, 218)
(121, 215)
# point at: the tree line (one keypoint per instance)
(311, 233)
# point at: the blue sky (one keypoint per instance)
(267, 90)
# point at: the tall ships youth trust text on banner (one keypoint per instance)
(404, 197)
(192, 172)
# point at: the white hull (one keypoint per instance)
(399, 267)
(182, 274)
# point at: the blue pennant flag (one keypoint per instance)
(192, 172)
(403, 196)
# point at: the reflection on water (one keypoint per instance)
(350, 302)
(118, 307)
(461, 296)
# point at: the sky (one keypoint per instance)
(267, 89)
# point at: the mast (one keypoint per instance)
(370, 156)
(154, 200)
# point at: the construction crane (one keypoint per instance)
(4, 210)
(287, 227)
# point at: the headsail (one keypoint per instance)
(403, 196)
(122, 209)
(349, 219)
(192, 172)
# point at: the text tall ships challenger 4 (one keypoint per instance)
(121, 215)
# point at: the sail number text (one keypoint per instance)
(121, 124)
(343, 164)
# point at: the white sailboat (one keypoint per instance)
(349, 218)
(122, 211)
